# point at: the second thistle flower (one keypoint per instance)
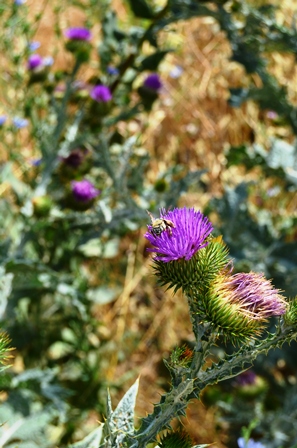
(240, 304)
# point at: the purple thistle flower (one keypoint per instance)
(19, 122)
(3, 118)
(255, 295)
(84, 190)
(191, 228)
(78, 33)
(250, 444)
(34, 61)
(101, 93)
(153, 82)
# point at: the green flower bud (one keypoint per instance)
(291, 315)
(42, 206)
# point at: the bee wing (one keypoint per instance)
(151, 216)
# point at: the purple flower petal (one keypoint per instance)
(101, 93)
(34, 61)
(256, 295)
(185, 239)
(78, 33)
(245, 378)
(153, 82)
(84, 190)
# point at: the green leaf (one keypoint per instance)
(141, 9)
(123, 415)
(152, 61)
(120, 423)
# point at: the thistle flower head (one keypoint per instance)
(240, 304)
(255, 295)
(75, 158)
(34, 61)
(101, 93)
(78, 33)
(84, 190)
(153, 82)
(182, 238)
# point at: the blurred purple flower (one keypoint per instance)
(84, 190)
(3, 118)
(255, 295)
(153, 82)
(272, 115)
(78, 33)
(250, 444)
(19, 2)
(112, 71)
(75, 158)
(34, 61)
(33, 46)
(182, 241)
(101, 93)
(176, 72)
(245, 378)
(19, 122)
(36, 162)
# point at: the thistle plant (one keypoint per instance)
(224, 306)
(75, 183)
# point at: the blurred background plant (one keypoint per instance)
(108, 109)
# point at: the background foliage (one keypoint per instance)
(77, 296)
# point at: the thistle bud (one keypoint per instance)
(177, 439)
(240, 305)
(82, 195)
(78, 42)
(42, 206)
(149, 90)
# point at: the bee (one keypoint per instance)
(159, 225)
